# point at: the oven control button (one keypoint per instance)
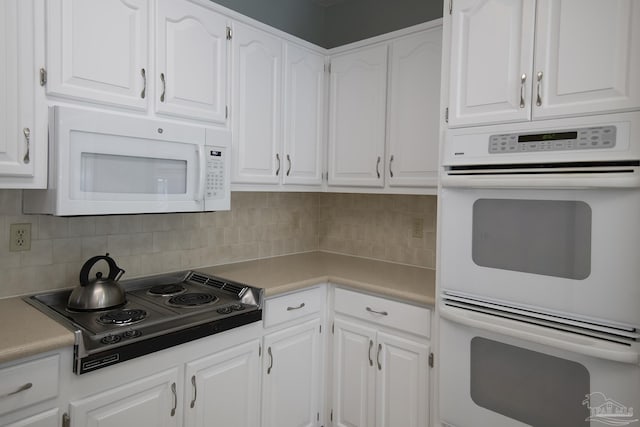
(110, 339)
(131, 334)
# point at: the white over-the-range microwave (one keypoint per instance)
(104, 163)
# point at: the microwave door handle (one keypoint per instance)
(581, 345)
(202, 174)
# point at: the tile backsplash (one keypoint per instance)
(259, 225)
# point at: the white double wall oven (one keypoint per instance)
(540, 274)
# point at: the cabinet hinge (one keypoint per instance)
(450, 6)
(43, 76)
(66, 420)
(431, 360)
(229, 33)
(446, 115)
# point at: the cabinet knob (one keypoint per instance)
(523, 80)
(27, 138)
(539, 98)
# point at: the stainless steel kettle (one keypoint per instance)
(99, 293)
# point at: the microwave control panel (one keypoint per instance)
(562, 140)
(215, 179)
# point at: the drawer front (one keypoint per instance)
(28, 383)
(292, 306)
(385, 312)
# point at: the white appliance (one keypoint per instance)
(102, 163)
(540, 274)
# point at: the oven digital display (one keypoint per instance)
(557, 136)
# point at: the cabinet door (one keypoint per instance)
(23, 121)
(587, 57)
(256, 108)
(491, 51)
(224, 388)
(291, 377)
(413, 113)
(191, 71)
(358, 117)
(147, 402)
(354, 374)
(97, 50)
(49, 418)
(304, 116)
(403, 382)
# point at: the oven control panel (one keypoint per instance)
(563, 140)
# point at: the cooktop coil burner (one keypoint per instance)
(122, 317)
(193, 299)
(166, 290)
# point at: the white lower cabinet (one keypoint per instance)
(150, 401)
(224, 387)
(380, 374)
(48, 418)
(291, 377)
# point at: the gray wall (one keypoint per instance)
(340, 23)
(302, 18)
(354, 20)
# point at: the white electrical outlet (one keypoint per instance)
(20, 235)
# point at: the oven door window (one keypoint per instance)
(547, 237)
(531, 387)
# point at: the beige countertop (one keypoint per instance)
(291, 272)
(33, 332)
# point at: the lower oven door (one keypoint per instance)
(496, 372)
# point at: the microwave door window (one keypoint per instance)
(115, 174)
(546, 237)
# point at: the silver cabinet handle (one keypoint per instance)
(175, 399)
(295, 308)
(390, 163)
(289, 168)
(382, 313)
(278, 159)
(378, 357)
(539, 98)
(27, 137)
(370, 347)
(271, 360)
(523, 80)
(195, 391)
(164, 87)
(378, 167)
(144, 83)
(20, 389)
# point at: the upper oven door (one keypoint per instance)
(574, 252)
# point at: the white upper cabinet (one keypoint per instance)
(304, 102)
(23, 112)
(98, 50)
(357, 120)
(491, 61)
(256, 106)
(586, 59)
(191, 61)
(413, 113)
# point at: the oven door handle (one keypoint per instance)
(590, 347)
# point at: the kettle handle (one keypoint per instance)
(115, 272)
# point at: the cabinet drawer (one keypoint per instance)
(394, 314)
(292, 306)
(28, 383)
